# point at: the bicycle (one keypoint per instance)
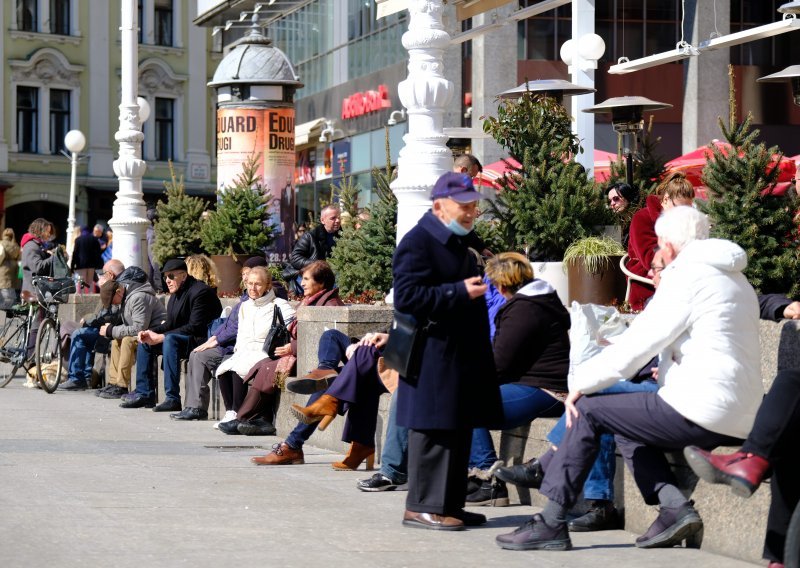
(16, 331)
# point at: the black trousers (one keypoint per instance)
(644, 426)
(774, 437)
(437, 470)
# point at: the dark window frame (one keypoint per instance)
(164, 148)
(28, 121)
(60, 119)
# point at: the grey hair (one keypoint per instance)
(332, 207)
(681, 225)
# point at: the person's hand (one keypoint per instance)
(283, 350)
(475, 287)
(103, 329)
(376, 339)
(569, 404)
(792, 311)
(654, 372)
(209, 344)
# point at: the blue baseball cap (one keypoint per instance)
(456, 186)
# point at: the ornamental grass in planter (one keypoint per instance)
(592, 265)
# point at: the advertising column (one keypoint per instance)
(267, 133)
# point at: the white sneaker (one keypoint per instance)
(229, 415)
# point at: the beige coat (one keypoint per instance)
(9, 268)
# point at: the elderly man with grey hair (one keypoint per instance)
(316, 244)
(703, 322)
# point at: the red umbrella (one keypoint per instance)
(492, 173)
(602, 165)
(692, 165)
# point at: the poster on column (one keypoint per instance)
(268, 133)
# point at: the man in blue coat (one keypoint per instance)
(436, 280)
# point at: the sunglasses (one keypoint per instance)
(173, 275)
(615, 198)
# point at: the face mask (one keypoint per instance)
(457, 229)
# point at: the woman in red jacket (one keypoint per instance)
(673, 191)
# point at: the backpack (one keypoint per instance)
(59, 267)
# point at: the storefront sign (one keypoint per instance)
(269, 134)
(360, 104)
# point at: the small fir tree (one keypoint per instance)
(552, 203)
(362, 257)
(742, 209)
(241, 222)
(177, 230)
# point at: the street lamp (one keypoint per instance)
(626, 118)
(74, 141)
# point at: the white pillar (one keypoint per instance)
(128, 215)
(426, 93)
(583, 122)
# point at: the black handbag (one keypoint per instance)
(403, 351)
(278, 335)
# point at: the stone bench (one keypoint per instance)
(733, 527)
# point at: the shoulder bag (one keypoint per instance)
(403, 351)
(278, 334)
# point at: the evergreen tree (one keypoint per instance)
(241, 222)
(177, 230)
(362, 257)
(551, 203)
(742, 209)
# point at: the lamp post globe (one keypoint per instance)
(75, 142)
(144, 109)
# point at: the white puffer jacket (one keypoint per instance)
(703, 321)
(255, 321)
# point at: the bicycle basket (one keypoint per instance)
(49, 290)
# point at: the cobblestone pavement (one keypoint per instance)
(85, 483)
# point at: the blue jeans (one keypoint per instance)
(302, 432)
(174, 348)
(81, 354)
(331, 349)
(599, 486)
(394, 457)
(521, 405)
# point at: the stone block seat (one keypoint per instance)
(733, 526)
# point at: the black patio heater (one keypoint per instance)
(626, 118)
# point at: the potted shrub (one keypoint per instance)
(592, 265)
(177, 229)
(551, 202)
(240, 226)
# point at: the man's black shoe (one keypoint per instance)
(256, 427)
(190, 413)
(168, 405)
(529, 474)
(601, 516)
(378, 482)
(671, 527)
(74, 386)
(470, 519)
(535, 534)
(138, 401)
(493, 493)
(230, 427)
(112, 391)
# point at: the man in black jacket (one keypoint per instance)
(191, 307)
(316, 244)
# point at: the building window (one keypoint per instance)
(27, 15)
(28, 119)
(140, 20)
(165, 129)
(59, 118)
(162, 22)
(59, 17)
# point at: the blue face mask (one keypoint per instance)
(457, 229)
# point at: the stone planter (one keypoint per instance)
(553, 273)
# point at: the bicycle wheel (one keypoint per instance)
(12, 349)
(48, 356)
(791, 550)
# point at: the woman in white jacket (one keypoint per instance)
(255, 320)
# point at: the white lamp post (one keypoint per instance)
(128, 219)
(74, 141)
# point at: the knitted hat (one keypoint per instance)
(255, 261)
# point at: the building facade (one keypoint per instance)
(61, 71)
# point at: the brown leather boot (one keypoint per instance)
(281, 454)
(322, 411)
(355, 455)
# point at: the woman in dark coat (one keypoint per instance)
(36, 261)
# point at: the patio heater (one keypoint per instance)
(626, 118)
(554, 88)
(789, 75)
